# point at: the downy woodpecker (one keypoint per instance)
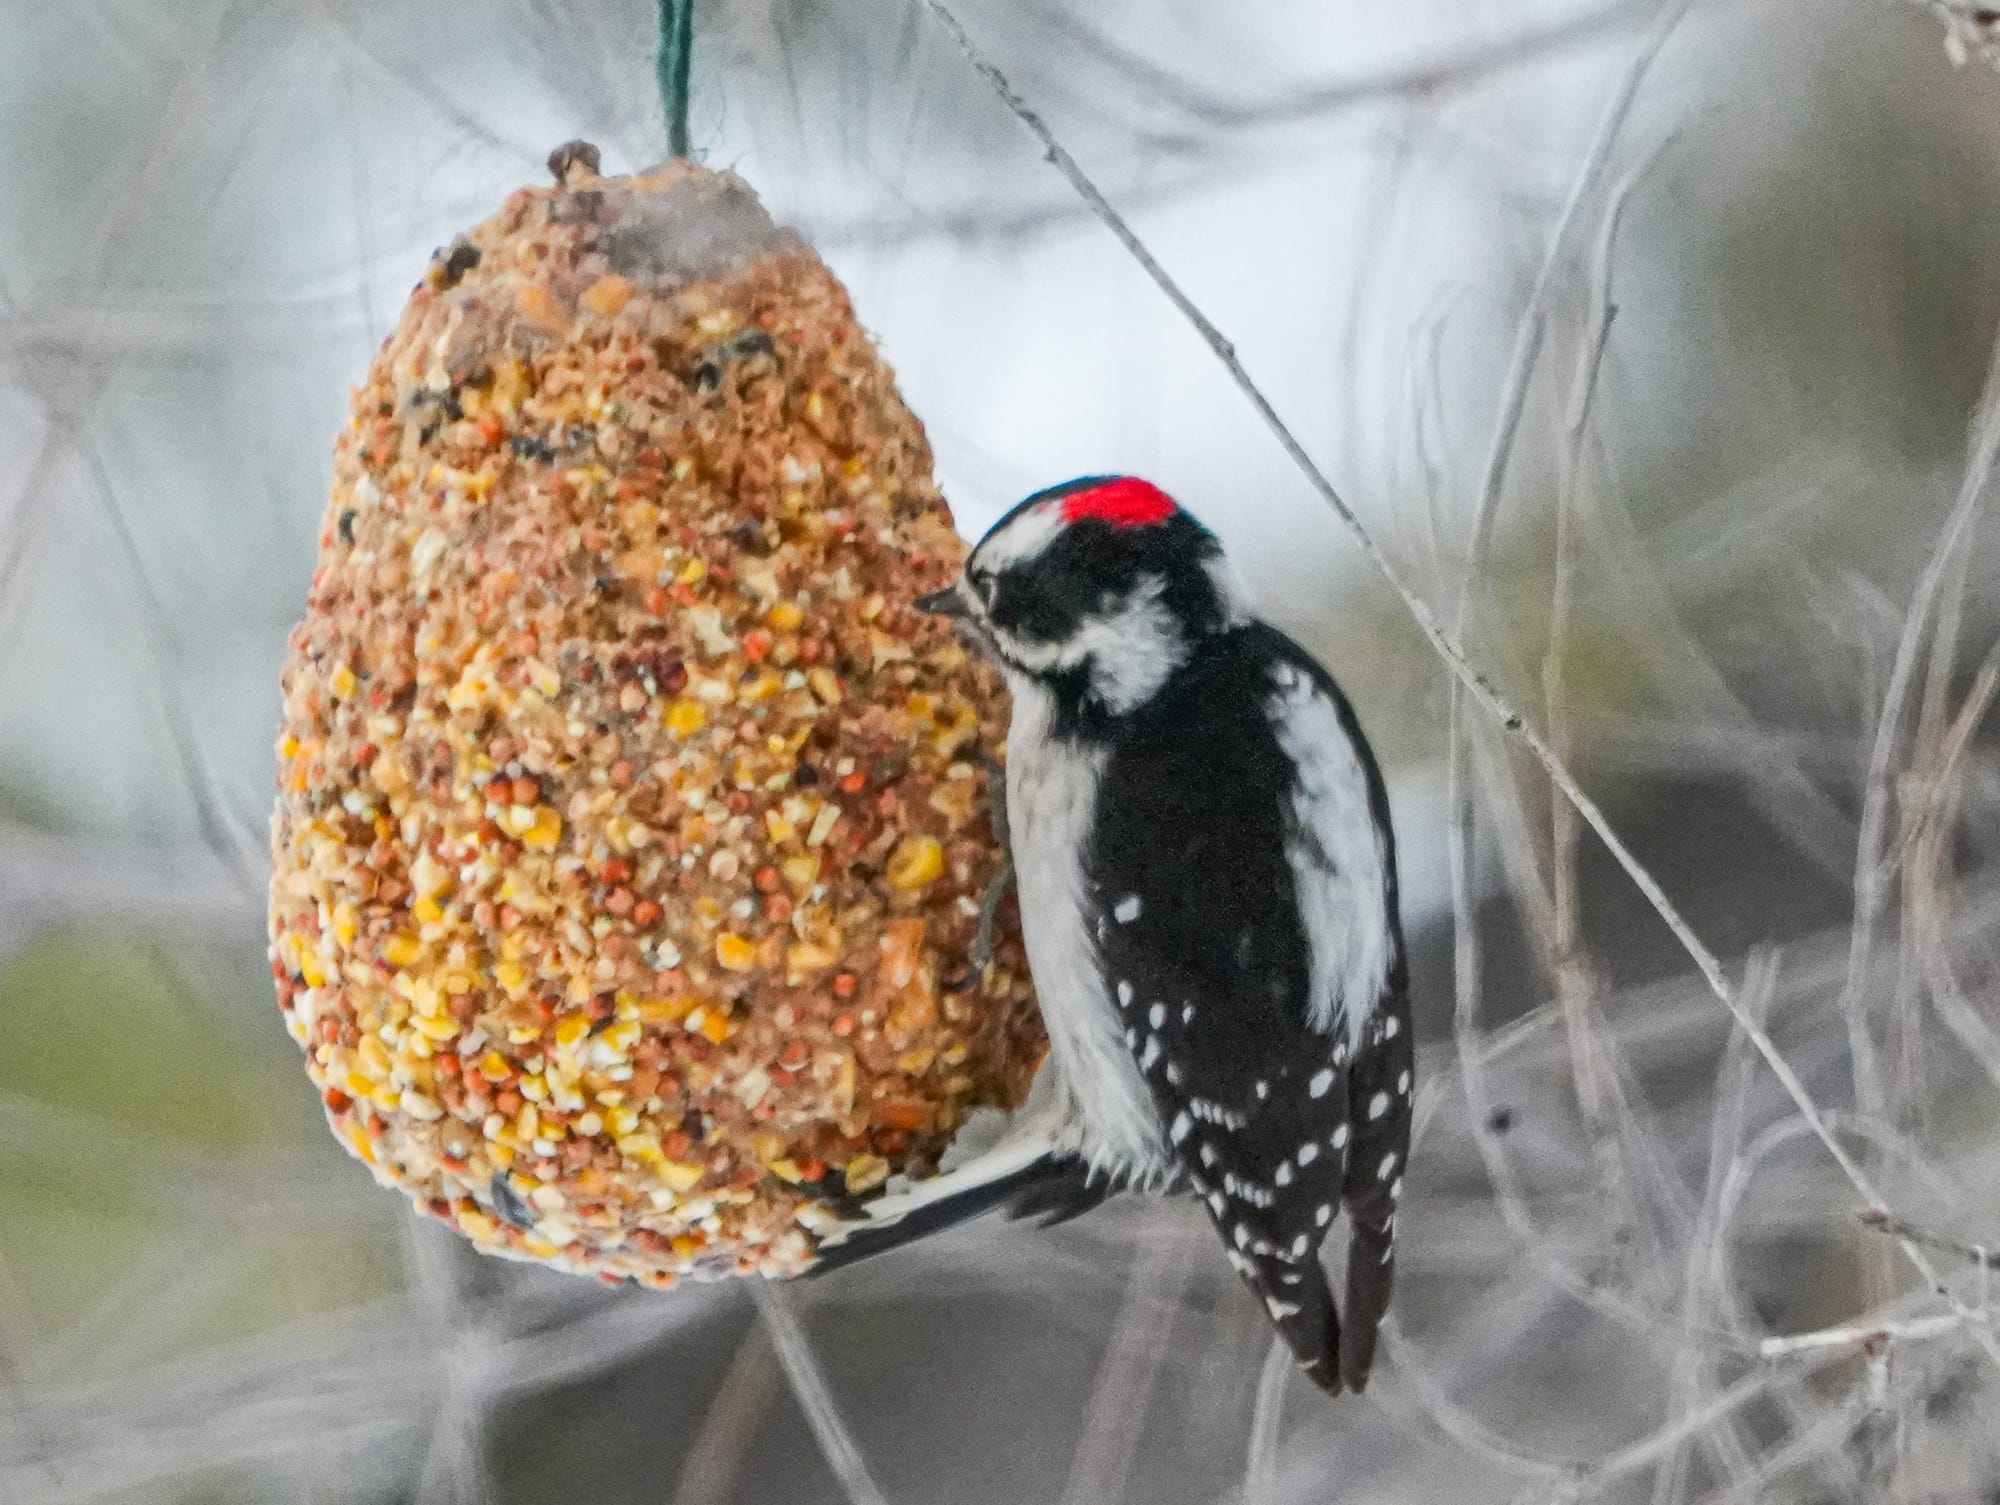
(1207, 882)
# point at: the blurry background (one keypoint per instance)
(1664, 331)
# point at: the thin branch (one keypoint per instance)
(729, 1429)
(1859, 1334)
(1818, 1444)
(1457, 1423)
(1870, 862)
(1932, 823)
(1980, 1255)
(1119, 1400)
(1457, 69)
(1706, 1278)
(1575, 979)
(1260, 1473)
(809, 1385)
(1533, 327)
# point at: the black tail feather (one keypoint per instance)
(1051, 1188)
(1371, 1276)
(1313, 1333)
(1066, 1190)
(1381, 1102)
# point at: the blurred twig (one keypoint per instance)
(709, 1471)
(1981, 1255)
(1462, 67)
(1873, 862)
(835, 1439)
(1529, 338)
(1930, 830)
(1861, 1333)
(1575, 978)
(1707, 1277)
(454, 1466)
(1120, 1399)
(1267, 1415)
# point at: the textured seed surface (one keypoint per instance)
(629, 814)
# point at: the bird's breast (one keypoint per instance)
(1053, 786)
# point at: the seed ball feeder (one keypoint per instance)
(632, 833)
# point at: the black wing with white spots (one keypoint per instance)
(1223, 864)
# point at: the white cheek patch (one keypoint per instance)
(1129, 650)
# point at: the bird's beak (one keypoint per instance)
(949, 602)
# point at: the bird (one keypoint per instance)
(1206, 873)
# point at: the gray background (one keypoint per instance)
(210, 212)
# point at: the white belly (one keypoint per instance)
(1051, 800)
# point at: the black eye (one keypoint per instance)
(1034, 605)
(981, 582)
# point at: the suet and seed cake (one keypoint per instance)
(632, 825)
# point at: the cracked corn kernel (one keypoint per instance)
(607, 295)
(544, 831)
(866, 1172)
(311, 970)
(809, 957)
(679, 1176)
(917, 863)
(685, 718)
(619, 736)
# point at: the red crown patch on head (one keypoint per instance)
(1123, 503)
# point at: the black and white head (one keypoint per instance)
(1096, 591)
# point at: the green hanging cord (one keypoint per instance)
(676, 51)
